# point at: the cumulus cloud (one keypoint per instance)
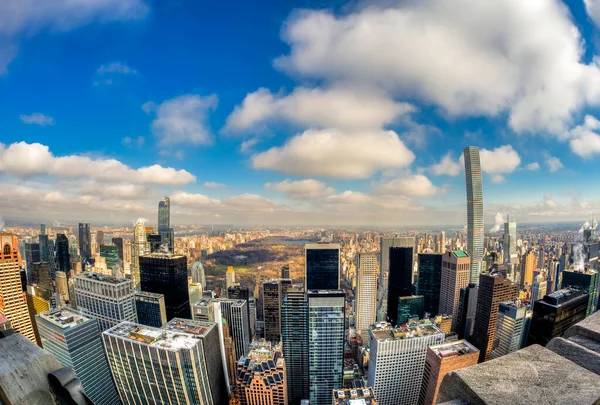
(25, 18)
(498, 222)
(503, 159)
(552, 162)
(37, 119)
(593, 9)
(584, 139)
(183, 198)
(448, 165)
(533, 166)
(130, 142)
(25, 160)
(498, 178)
(182, 120)
(335, 153)
(339, 107)
(413, 185)
(302, 189)
(116, 68)
(520, 57)
(123, 191)
(213, 185)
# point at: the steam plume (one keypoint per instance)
(499, 219)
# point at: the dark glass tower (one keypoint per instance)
(32, 255)
(584, 280)
(150, 308)
(399, 279)
(164, 223)
(271, 310)
(167, 274)
(467, 305)
(118, 242)
(294, 338)
(239, 292)
(409, 307)
(322, 266)
(429, 281)
(44, 247)
(85, 246)
(63, 259)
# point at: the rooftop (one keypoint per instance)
(453, 349)
(189, 327)
(383, 331)
(64, 317)
(154, 337)
(359, 396)
(460, 253)
(149, 294)
(562, 296)
(162, 255)
(101, 277)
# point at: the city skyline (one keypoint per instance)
(152, 119)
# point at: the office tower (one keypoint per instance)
(85, 241)
(236, 315)
(294, 338)
(74, 339)
(285, 271)
(195, 292)
(271, 308)
(41, 278)
(111, 254)
(62, 286)
(204, 310)
(150, 308)
(13, 304)
(552, 276)
(493, 289)
(23, 275)
(429, 281)
(198, 275)
(229, 350)
(467, 306)
(586, 280)
(440, 360)
(456, 273)
(538, 288)
(384, 262)
(527, 268)
(44, 245)
(32, 255)
(166, 274)
(109, 299)
(366, 292)
(511, 328)
(181, 364)
(100, 238)
(410, 307)
(261, 375)
(229, 278)
(140, 247)
(397, 360)
(326, 330)
(322, 267)
(118, 242)
(238, 292)
(156, 244)
(509, 242)
(475, 234)
(399, 279)
(164, 223)
(127, 253)
(63, 258)
(556, 313)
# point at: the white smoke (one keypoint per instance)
(585, 226)
(499, 220)
(578, 257)
(164, 248)
(142, 220)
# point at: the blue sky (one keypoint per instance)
(297, 112)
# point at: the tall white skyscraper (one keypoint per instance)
(538, 288)
(510, 242)
(366, 292)
(140, 247)
(198, 274)
(397, 361)
(110, 299)
(475, 235)
(385, 244)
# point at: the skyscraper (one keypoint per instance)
(399, 279)
(239, 292)
(166, 274)
(527, 268)
(62, 286)
(366, 292)
(384, 269)
(150, 309)
(509, 242)
(456, 272)
(475, 234)
(13, 304)
(510, 328)
(326, 330)
(44, 246)
(229, 277)
(198, 274)
(109, 299)
(410, 307)
(63, 258)
(32, 255)
(285, 271)
(74, 339)
(322, 267)
(164, 223)
(261, 375)
(294, 338)
(85, 241)
(118, 242)
(236, 315)
(271, 310)
(467, 307)
(493, 289)
(140, 247)
(442, 359)
(430, 281)
(397, 360)
(586, 280)
(538, 288)
(556, 313)
(111, 254)
(181, 365)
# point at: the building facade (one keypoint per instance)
(150, 308)
(85, 241)
(322, 266)
(366, 292)
(511, 328)
(271, 310)
(475, 235)
(586, 280)
(430, 281)
(235, 313)
(261, 377)
(399, 279)
(140, 247)
(294, 338)
(384, 268)
(456, 273)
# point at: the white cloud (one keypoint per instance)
(115, 191)
(503, 159)
(248, 144)
(350, 197)
(334, 153)
(37, 119)
(302, 189)
(447, 166)
(593, 9)
(584, 139)
(213, 185)
(520, 57)
(129, 141)
(498, 178)
(183, 198)
(116, 68)
(339, 107)
(413, 184)
(251, 203)
(552, 162)
(24, 18)
(533, 166)
(183, 119)
(25, 160)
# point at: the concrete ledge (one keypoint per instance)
(577, 353)
(533, 375)
(589, 328)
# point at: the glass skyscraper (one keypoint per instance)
(164, 223)
(74, 339)
(294, 338)
(85, 241)
(475, 234)
(384, 268)
(399, 279)
(429, 281)
(63, 258)
(322, 266)
(150, 308)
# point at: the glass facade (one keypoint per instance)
(294, 337)
(409, 307)
(429, 281)
(586, 281)
(150, 309)
(85, 241)
(63, 258)
(322, 267)
(399, 279)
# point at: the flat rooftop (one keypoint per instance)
(383, 331)
(154, 337)
(149, 294)
(160, 255)
(187, 326)
(354, 396)
(453, 349)
(64, 317)
(322, 246)
(102, 278)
